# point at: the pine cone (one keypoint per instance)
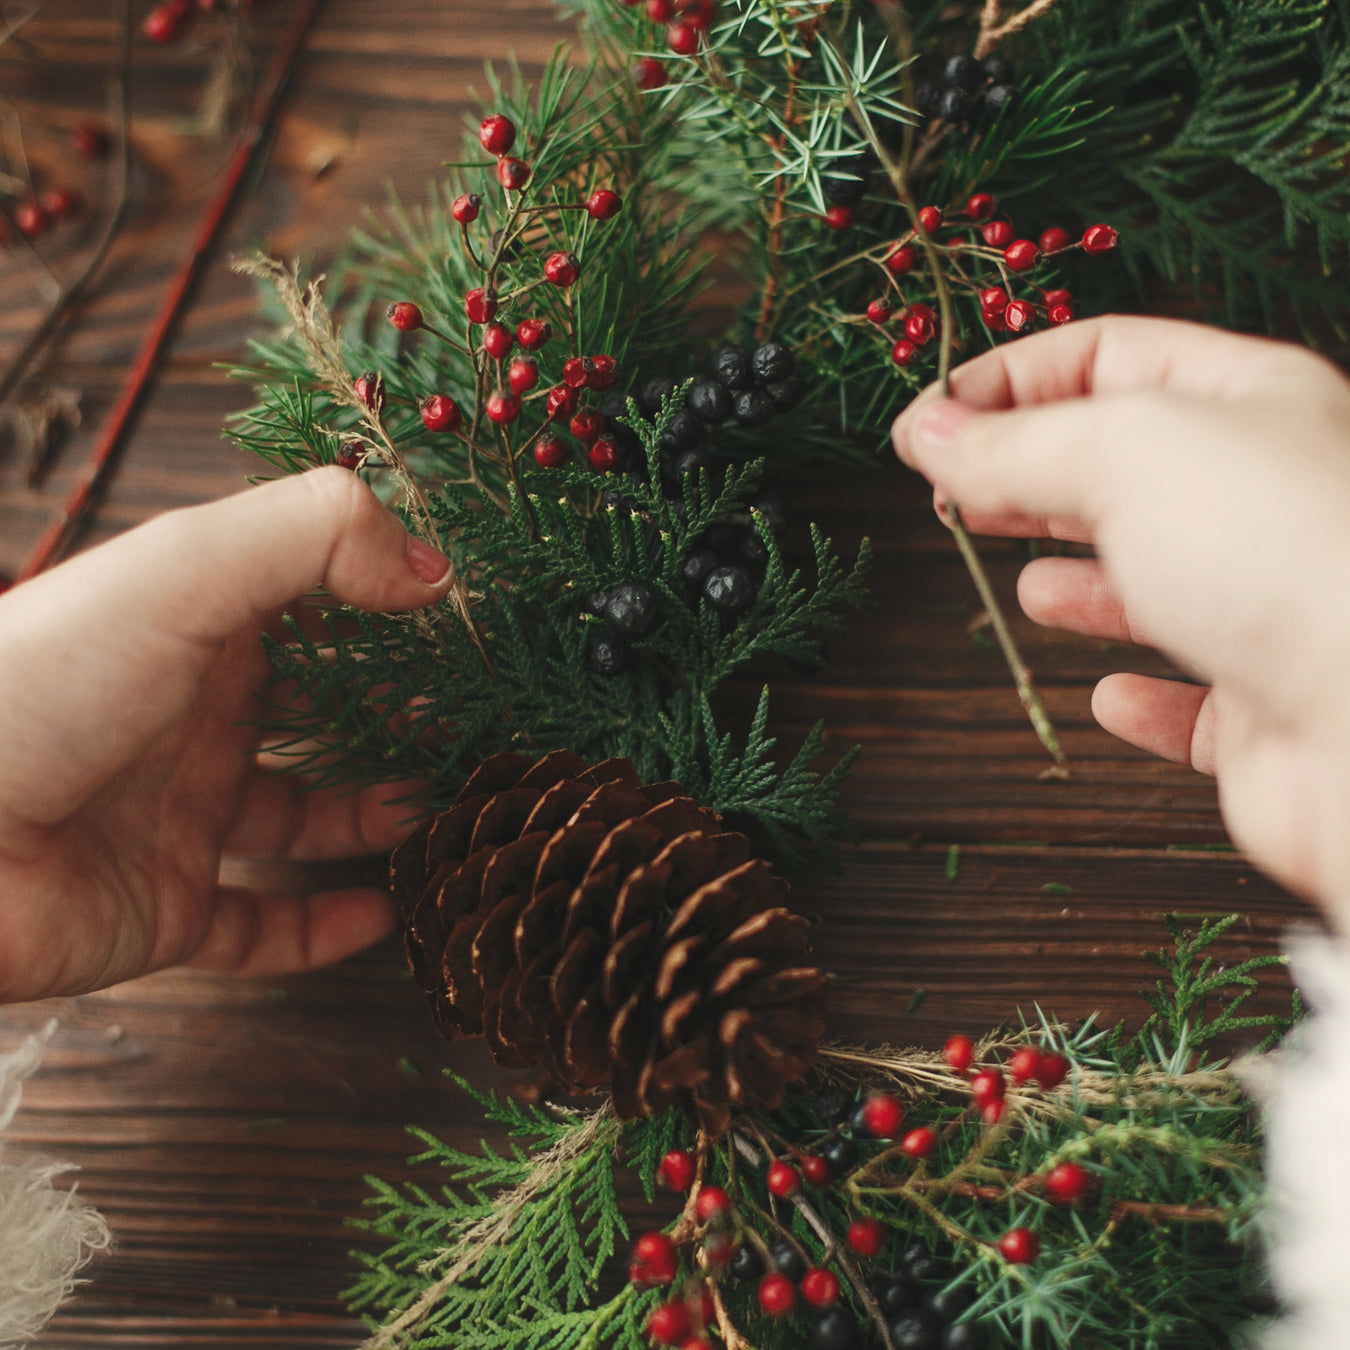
(610, 930)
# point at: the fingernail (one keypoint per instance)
(430, 565)
(941, 423)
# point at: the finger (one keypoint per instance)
(1014, 526)
(129, 628)
(253, 934)
(1076, 594)
(1165, 717)
(280, 817)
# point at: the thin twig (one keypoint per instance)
(992, 32)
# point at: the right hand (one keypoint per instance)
(1212, 474)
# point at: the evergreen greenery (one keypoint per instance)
(1161, 1252)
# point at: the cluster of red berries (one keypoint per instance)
(991, 238)
(685, 22)
(168, 21)
(34, 216)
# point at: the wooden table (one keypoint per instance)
(224, 1127)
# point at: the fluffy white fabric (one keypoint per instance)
(1307, 1120)
(46, 1235)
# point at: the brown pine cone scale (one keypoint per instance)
(612, 931)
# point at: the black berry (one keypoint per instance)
(841, 1154)
(964, 1336)
(696, 566)
(632, 608)
(687, 462)
(595, 602)
(928, 99)
(997, 70)
(709, 401)
(731, 367)
(754, 407)
(608, 654)
(857, 1122)
(894, 1294)
(683, 433)
(915, 1330)
(847, 189)
(746, 1263)
(752, 550)
(925, 1266)
(723, 539)
(949, 1303)
(786, 393)
(729, 589)
(657, 388)
(834, 1329)
(962, 72)
(832, 1103)
(997, 97)
(956, 105)
(773, 361)
(787, 1259)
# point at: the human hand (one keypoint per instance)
(1212, 474)
(128, 765)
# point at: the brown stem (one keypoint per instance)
(992, 32)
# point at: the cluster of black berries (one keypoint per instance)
(629, 610)
(726, 565)
(968, 89)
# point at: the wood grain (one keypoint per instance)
(224, 1127)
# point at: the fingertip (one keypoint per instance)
(342, 923)
(927, 427)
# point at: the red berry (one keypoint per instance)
(603, 204)
(369, 389)
(603, 371)
(1057, 297)
(696, 13)
(648, 73)
(776, 1294)
(480, 305)
(163, 24)
(698, 1343)
(90, 141)
(1022, 1064)
(660, 11)
(919, 1142)
(901, 259)
(1019, 315)
(497, 340)
(562, 401)
(682, 39)
(59, 202)
(992, 1112)
(1068, 1181)
(997, 234)
(350, 455)
(465, 208)
(522, 375)
(879, 311)
(930, 219)
(981, 207)
(865, 1236)
(31, 219)
(512, 174)
(439, 413)
(404, 315)
(1100, 239)
(587, 424)
(783, 1179)
(604, 454)
(987, 1086)
(1021, 254)
(574, 372)
(550, 452)
(882, 1114)
(815, 1169)
(1020, 1246)
(1054, 239)
(712, 1203)
(994, 321)
(719, 1248)
(497, 134)
(959, 1052)
(839, 217)
(904, 352)
(562, 269)
(533, 333)
(654, 1249)
(502, 408)
(994, 300)
(668, 1323)
(1051, 1071)
(820, 1287)
(920, 327)
(1058, 315)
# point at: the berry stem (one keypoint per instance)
(992, 32)
(449, 341)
